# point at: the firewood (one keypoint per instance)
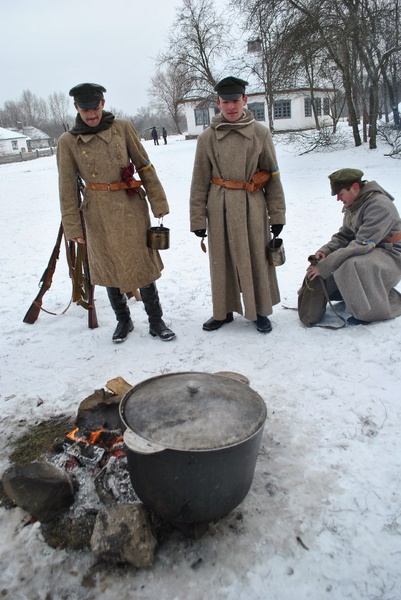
(118, 386)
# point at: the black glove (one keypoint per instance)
(200, 232)
(276, 229)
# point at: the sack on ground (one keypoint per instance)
(311, 301)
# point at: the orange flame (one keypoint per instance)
(92, 439)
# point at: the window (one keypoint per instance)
(202, 116)
(318, 106)
(282, 109)
(14, 144)
(258, 110)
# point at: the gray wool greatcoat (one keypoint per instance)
(237, 221)
(365, 267)
(116, 224)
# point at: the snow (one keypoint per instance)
(323, 516)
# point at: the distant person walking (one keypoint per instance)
(155, 136)
(164, 134)
(103, 151)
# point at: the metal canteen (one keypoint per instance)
(275, 252)
(158, 238)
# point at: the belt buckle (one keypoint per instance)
(108, 187)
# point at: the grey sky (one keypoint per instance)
(49, 46)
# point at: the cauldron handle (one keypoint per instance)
(138, 444)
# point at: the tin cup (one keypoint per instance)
(158, 238)
(275, 252)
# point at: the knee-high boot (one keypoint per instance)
(118, 303)
(151, 302)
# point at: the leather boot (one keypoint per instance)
(213, 324)
(118, 303)
(263, 324)
(151, 302)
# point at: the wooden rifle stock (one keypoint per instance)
(45, 281)
(83, 291)
(88, 286)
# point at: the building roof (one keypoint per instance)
(7, 134)
(35, 134)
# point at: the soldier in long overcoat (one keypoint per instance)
(361, 264)
(104, 152)
(238, 221)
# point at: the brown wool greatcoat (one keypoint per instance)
(116, 224)
(237, 221)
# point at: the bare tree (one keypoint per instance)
(265, 24)
(373, 49)
(169, 88)
(11, 114)
(198, 41)
(59, 107)
(34, 110)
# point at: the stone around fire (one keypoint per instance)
(41, 489)
(122, 534)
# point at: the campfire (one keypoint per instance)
(94, 448)
(80, 490)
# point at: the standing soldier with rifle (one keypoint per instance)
(104, 152)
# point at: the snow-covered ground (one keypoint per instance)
(329, 469)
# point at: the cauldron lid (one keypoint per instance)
(193, 411)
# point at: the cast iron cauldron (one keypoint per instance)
(192, 442)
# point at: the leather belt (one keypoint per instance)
(113, 187)
(258, 181)
(233, 184)
(393, 239)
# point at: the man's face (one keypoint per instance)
(348, 197)
(91, 116)
(232, 110)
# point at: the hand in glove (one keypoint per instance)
(276, 229)
(200, 233)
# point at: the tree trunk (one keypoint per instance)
(353, 118)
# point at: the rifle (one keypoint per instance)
(83, 290)
(45, 281)
(78, 265)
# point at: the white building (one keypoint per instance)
(12, 142)
(292, 110)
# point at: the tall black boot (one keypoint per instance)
(118, 303)
(151, 302)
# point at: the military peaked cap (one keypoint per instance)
(230, 88)
(344, 178)
(87, 95)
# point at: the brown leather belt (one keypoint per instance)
(258, 181)
(233, 184)
(113, 187)
(393, 239)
